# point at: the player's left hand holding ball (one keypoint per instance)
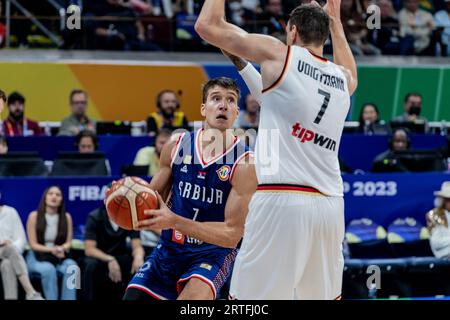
(162, 218)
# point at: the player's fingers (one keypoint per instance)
(150, 212)
(160, 200)
(144, 223)
(315, 3)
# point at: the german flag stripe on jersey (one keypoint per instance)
(287, 188)
(278, 81)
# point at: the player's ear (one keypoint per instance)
(202, 110)
(293, 33)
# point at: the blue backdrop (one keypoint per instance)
(357, 150)
(382, 197)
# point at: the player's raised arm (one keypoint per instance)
(213, 28)
(248, 72)
(225, 234)
(342, 54)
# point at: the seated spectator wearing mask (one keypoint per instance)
(437, 223)
(412, 106)
(369, 120)
(386, 161)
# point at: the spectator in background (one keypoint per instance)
(252, 8)
(168, 116)
(386, 161)
(78, 120)
(445, 152)
(412, 105)
(369, 120)
(2, 100)
(235, 12)
(12, 264)
(50, 233)
(387, 37)
(355, 29)
(3, 145)
(442, 21)
(124, 31)
(249, 118)
(272, 20)
(149, 156)
(437, 223)
(108, 258)
(87, 142)
(417, 23)
(17, 124)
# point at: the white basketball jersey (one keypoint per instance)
(301, 123)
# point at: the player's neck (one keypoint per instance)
(318, 51)
(216, 141)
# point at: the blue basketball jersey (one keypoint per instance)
(200, 190)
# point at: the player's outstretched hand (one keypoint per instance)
(162, 218)
(333, 9)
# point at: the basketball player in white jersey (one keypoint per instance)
(295, 226)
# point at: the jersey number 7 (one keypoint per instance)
(326, 99)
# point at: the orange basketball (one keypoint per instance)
(127, 199)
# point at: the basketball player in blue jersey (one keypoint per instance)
(208, 178)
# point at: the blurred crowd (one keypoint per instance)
(402, 27)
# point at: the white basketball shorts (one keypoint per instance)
(292, 246)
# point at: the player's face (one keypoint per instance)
(79, 104)
(2, 105)
(86, 145)
(221, 108)
(53, 197)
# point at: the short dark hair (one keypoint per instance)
(411, 94)
(223, 82)
(312, 24)
(76, 91)
(16, 97)
(86, 133)
(3, 95)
